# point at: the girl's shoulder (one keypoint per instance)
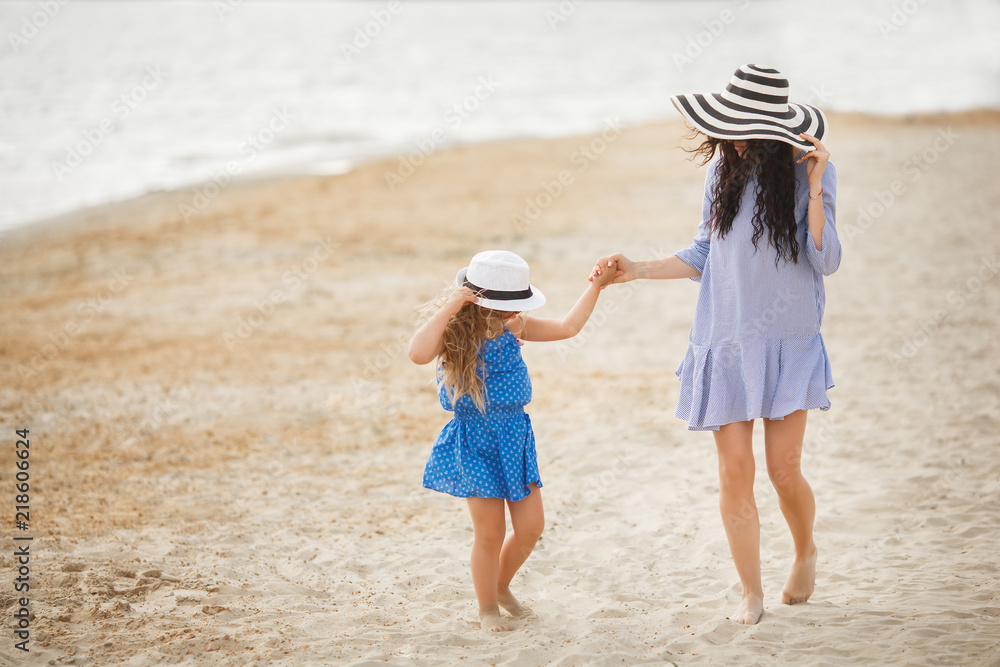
(501, 348)
(515, 326)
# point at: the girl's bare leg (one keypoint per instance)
(528, 520)
(783, 445)
(489, 525)
(734, 443)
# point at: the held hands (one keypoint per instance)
(612, 269)
(601, 280)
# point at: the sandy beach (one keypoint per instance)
(227, 438)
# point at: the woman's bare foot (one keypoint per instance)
(750, 609)
(493, 622)
(513, 607)
(801, 579)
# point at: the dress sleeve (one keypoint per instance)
(697, 253)
(827, 260)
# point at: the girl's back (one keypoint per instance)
(507, 385)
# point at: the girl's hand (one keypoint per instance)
(621, 268)
(817, 160)
(602, 279)
(427, 343)
(460, 298)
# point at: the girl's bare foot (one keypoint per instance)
(750, 610)
(507, 600)
(801, 579)
(491, 621)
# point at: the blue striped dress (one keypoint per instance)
(755, 348)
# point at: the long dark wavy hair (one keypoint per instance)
(774, 199)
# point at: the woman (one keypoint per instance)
(766, 240)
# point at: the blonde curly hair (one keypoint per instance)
(463, 341)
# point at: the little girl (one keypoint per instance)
(486, 454)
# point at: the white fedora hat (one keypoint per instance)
(754, 106)
(500, 278)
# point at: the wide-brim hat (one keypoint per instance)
(754, 106)
(500, 278)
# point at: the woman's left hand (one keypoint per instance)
(817, 160)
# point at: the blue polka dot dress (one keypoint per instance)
(755, 348)
(489, 455)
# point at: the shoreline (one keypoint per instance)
(199, 497)
(60, 222)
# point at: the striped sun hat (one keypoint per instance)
(754, 106)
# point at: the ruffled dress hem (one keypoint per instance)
(467, 461)
(457, 493)
(762, 378)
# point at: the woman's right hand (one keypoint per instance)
(622, 266)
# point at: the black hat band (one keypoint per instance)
(498, 295)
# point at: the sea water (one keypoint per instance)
(103, 101)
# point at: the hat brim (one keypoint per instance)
(720, 118)
(536, 300)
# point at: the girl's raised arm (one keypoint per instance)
(428, 342)
(539, 329)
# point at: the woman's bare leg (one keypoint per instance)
(734, 443)
(528, 520)
(783, 445)
(489, 525)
